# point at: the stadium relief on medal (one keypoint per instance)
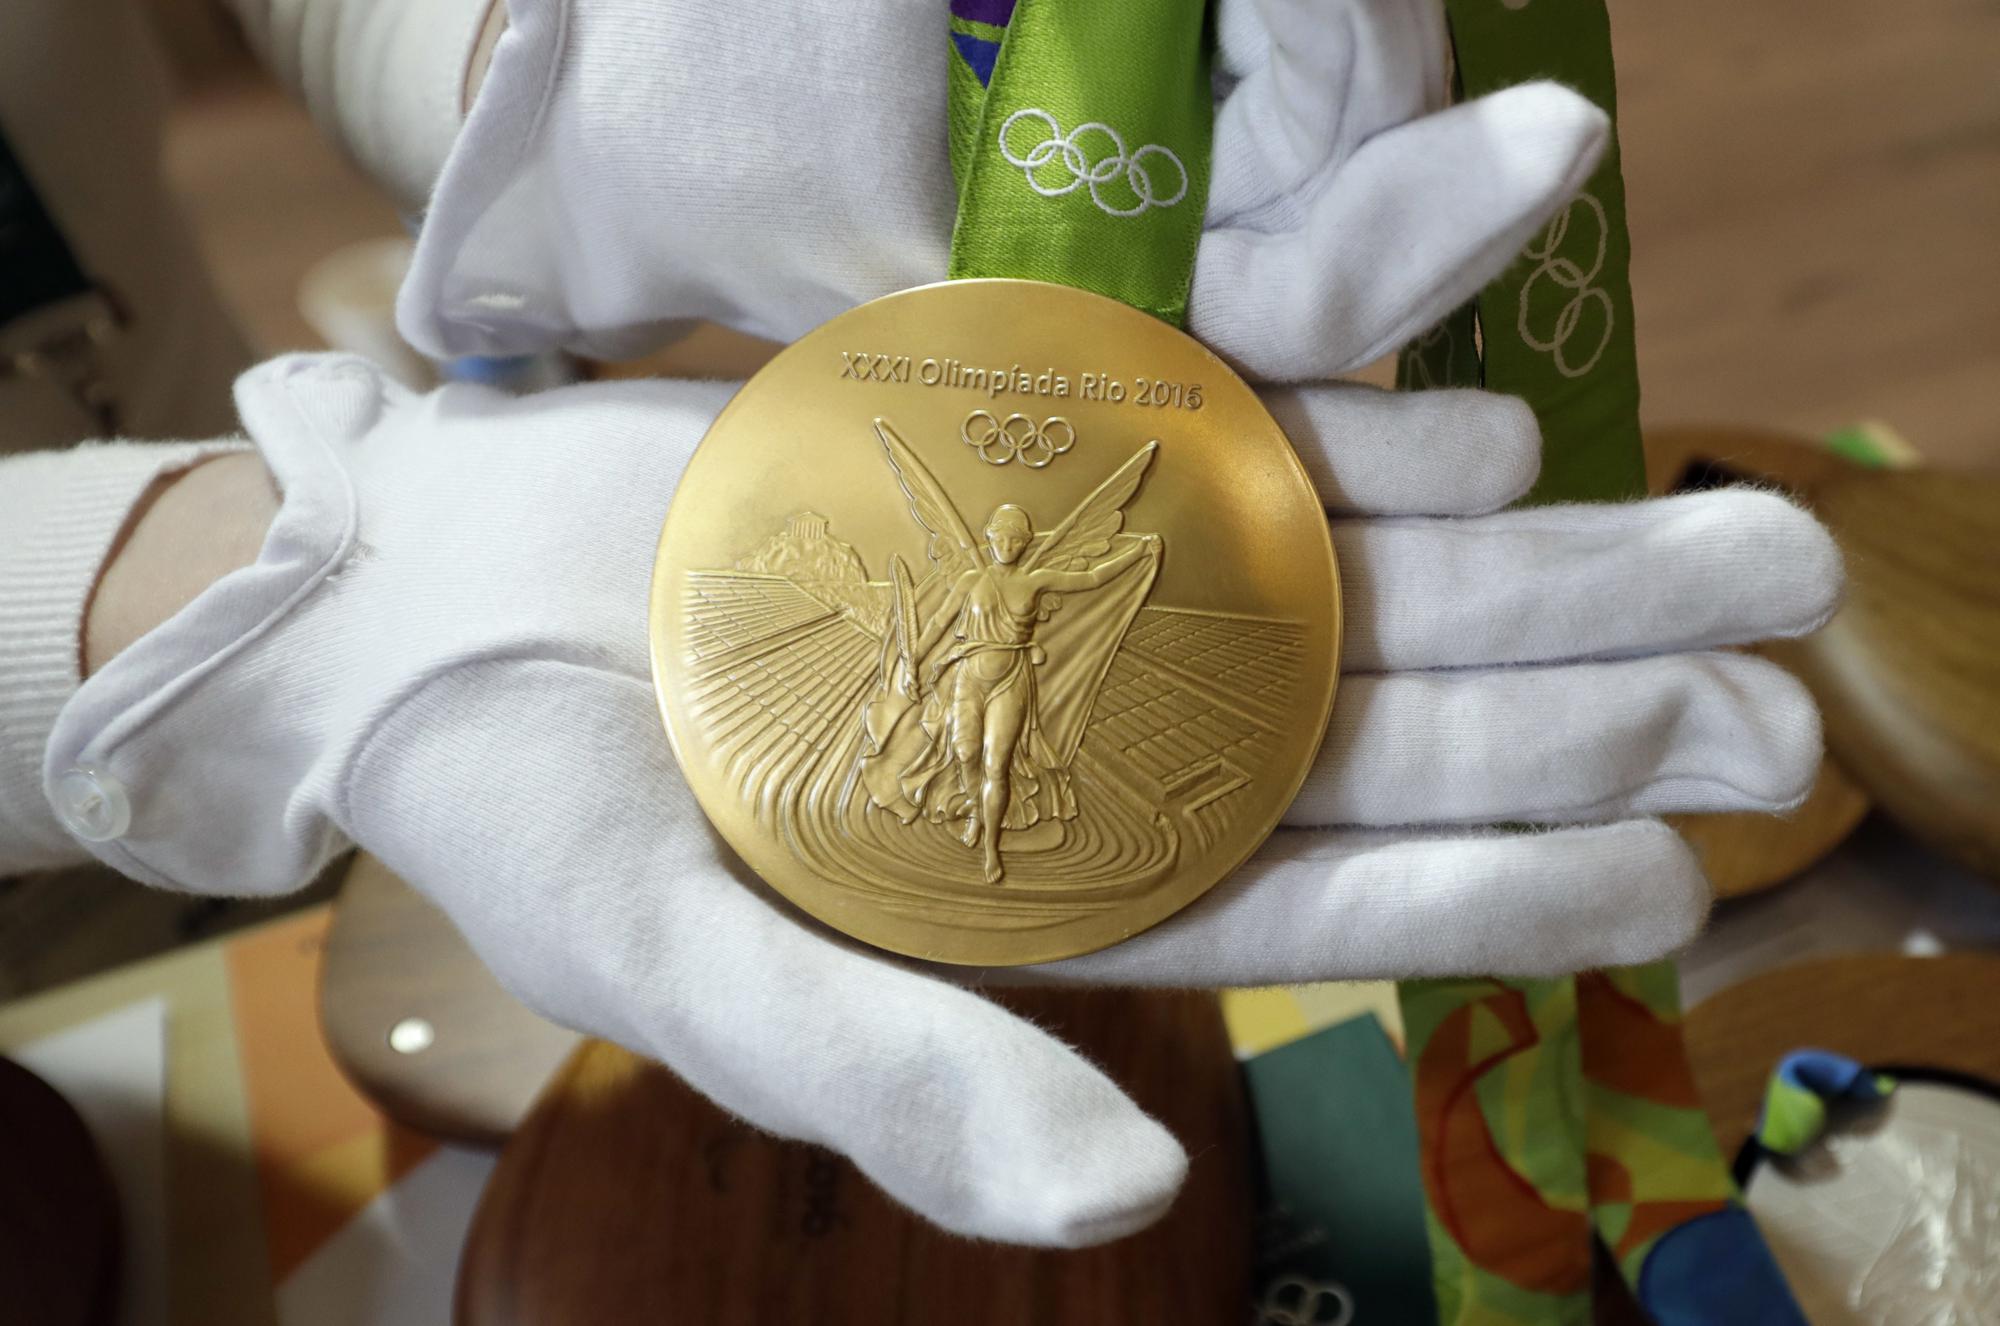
(1003, 729)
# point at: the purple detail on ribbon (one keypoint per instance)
(995, 12)
(978, 53)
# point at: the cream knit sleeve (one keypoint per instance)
(60, 512)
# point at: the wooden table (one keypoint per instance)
(625, 1197)
(416, 1021)
(1878, 1008)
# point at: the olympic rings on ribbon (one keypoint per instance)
(1297, 1301)
(1575, 280)
(1136, 168)
(1017, 438)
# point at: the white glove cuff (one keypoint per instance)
(60, 513)
(486, 277)
(202, 769)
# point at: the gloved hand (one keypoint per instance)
(442, 656)
(633, 163)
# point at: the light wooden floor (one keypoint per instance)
(1815, 209)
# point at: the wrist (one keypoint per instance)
(209, 686)
(482, 52)
(62, 516)
(188, 530)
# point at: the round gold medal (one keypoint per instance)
(994, 622)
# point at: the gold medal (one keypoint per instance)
(994, 622)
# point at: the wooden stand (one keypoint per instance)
(1908, 673)
(625, 1197)
(1877, 1008)
(395, 961)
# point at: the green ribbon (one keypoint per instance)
(1556, 330)
(1556, 326)
(1083, 160)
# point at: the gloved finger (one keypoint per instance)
(1242, 42)
(1333, 73)
(1590, 741)
(1396, 236)
(538, 804)
(1589, 581)
(971, 1116)
(1421, 453)
(1322, 905)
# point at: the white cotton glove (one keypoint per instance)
(442, 656)
(385, 78)
(767, 164)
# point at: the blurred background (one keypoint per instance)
(1814, 192)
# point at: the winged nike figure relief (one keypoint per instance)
(957, 730)
(1005, 729)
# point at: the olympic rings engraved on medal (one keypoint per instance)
(1568, 275)
(1072, 151)
(1017, 437)
(1297, 1301)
